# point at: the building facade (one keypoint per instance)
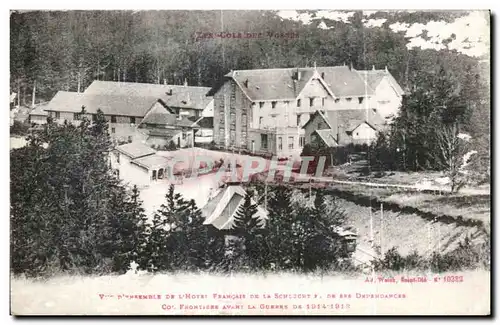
(125, 105)
(264, 111)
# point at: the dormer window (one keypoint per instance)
(360, 99)
(261, 104)
(348, 99)
(322, 75)
(299, 102)
(273, 104)
(337, 100)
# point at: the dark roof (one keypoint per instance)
(135, 150)
(328, 136)
(160, 132)
(205, 123)
(182, 96)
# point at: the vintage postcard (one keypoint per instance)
(250, 162)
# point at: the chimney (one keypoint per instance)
(386, 71)
(164, 81)
(314, 64)
(297, 74)
(185, 82)
(351, 67)
(373, 67)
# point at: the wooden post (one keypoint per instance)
(381, 228)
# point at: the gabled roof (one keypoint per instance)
(221, 210)
(39, 110)
(350, 119)
(278, 84)
(328, 137)
(205, 123)
(271, 84)
(188, 97)
(374, 77)
(159, 115)
(344, 81)
(152, 161)
(116, 104)
(66, 101)
(135, 150)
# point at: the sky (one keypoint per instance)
(468, 34)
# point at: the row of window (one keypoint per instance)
(261, 121)
(302, 141)
(78, 116)
(312, 101)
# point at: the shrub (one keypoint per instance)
(19, 128)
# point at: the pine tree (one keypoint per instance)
(249, 228)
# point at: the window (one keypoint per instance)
(76, 116)
(320, 126)
(261, 104)
(360, 99)
(58, 115)
(299, 102)
(280, 143)
(337, 100)
(302, 141)
(183, 135)
(261, 119)
(311, 101)
(273, 104)
(94, 117)
(132, 120)
(323, 101)
(113, 130)
(263, 141)
(298, 120)
(290, 142)
(118, 157)
(348, 99)
(113, 119)
(129, 138)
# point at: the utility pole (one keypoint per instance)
(34, 93)
(371, 226)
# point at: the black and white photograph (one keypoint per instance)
(250, 162)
